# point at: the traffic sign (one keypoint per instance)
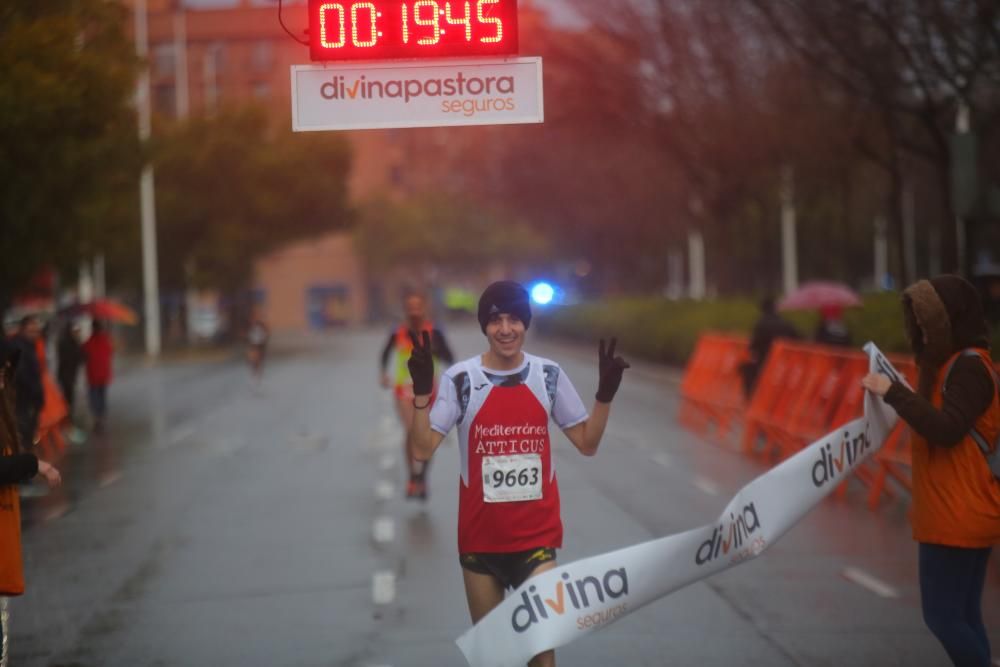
(432, 93)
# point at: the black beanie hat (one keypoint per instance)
(504, 296)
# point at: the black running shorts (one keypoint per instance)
(510, 569)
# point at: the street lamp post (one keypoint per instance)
(789, 245)
(962, 128)
(147, 201)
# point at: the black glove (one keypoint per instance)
(421, 365)
(611, 369)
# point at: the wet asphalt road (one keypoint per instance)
(221, 524)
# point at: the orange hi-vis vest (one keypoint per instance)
(956, 498)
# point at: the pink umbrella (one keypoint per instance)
(819, 294)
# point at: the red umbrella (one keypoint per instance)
(819, 294)
(105, 309)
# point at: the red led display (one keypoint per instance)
(385, 29)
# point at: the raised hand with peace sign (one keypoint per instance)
(611, 369)
(421, 365)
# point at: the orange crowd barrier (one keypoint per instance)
(803, 391)
(785, 394)
(711, 390)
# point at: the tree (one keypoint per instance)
(435, 230)
(67, 131)
(914, 62)
(729, 113)
(232, 187)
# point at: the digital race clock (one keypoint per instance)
(385, 29)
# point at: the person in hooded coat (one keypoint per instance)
(16, 466)
(770, 327)
(955, 515)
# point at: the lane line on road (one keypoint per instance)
(57, 512)
(384, 490)
(179, 433)
(109, 478)
(383, 587)
(384, 529)
(662, 459)
(387, 461)
(869, 582)
(706, 485)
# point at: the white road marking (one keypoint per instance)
(384, 529)
(383, 587)
(227, 445)
(873, 584)
(384, 490)
(384, 442)
(109, 478)
(178, 434)
(56, 512)
(311, 440)
(387, 462)
(661, 459)
(704, 484)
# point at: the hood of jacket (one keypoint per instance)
(943, 315)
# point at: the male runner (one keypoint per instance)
(509, 525)
(400, 340)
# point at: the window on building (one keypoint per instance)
(213, 67)
(214, 62)
(165, 100)
(262, 56)
(212, 95)
(396, 174)
(261, 90)
(163, 61)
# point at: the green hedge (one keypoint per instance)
(666, 331)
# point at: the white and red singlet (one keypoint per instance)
(508, 495)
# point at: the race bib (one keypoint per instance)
(508, 479)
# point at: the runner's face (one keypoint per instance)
(414, 309)
(506, 335)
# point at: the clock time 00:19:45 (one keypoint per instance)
(383, 29)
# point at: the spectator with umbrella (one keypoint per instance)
(830, 299)
(832, 330)
(98, 351)
(109, 310)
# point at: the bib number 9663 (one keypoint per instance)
(512, 478)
